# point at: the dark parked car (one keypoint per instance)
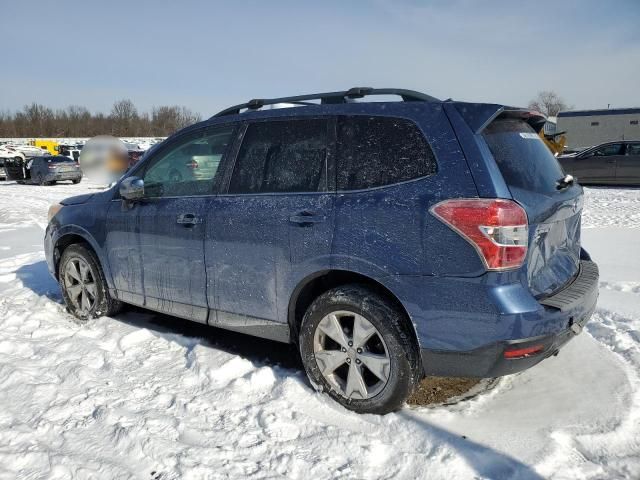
(388, 240)
(44, 170)
(616, 163)
(3, 171)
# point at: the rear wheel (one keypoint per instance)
(41, 181)
(356, 346)
(83, 284)
(76, 181)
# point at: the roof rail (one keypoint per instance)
(330, 98)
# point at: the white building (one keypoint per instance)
(591, 127)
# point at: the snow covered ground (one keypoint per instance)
(146, 396)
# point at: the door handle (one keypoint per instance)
(306, 218)
(188, 219)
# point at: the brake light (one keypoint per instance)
(523, 352)
(497, 228)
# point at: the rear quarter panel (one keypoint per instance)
(389, 230)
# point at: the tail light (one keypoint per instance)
(497, 228)
(52, 166)
(192, 164)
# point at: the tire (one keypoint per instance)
(41, 181)
(76, 181)
(391, 350)
(80, 265)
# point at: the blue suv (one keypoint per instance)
(388, 239)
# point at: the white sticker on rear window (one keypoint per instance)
(529, 135)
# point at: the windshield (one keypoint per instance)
(524, 160)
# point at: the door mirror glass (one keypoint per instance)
(132, 188)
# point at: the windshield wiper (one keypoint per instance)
(565, 182)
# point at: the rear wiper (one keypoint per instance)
(565, 182)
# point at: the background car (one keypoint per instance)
(44, 170)
(611, 163)
(3, 171)
(7, 151)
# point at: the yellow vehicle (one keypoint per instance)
(555, 141)
(50, 146)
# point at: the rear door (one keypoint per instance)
(628, 168)
(532, 173)
(274, 224)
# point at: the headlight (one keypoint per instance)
(53, 209)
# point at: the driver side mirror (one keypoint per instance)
(132, 188)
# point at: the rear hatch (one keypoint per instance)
(532, 173)
(62, 164)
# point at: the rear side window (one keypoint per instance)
(61, 160)
(377, 151)
(524, 160)
(632, 149)
(282, 156)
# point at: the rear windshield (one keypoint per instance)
(61, 159)
(524, 160)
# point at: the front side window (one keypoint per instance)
(377, 151)
(613, 149)
(190, 166)
(282, 156)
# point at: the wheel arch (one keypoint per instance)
(317, 283)
(74, 236)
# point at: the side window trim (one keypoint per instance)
(230, 165)
(228, 156)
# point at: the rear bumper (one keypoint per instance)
(63, 176)
(573, 305)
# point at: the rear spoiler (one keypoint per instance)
(479, 115)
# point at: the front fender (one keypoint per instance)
(57, 236)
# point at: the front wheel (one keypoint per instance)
(83, 284)
(356, 345)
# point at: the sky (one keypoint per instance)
(207, 55)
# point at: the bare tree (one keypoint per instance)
(124, 115)
(124, 120)
(549, 103)
(167, 119)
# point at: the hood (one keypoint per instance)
(78, 199)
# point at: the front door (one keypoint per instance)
(598, 166)
(274, 224)
(628, 170)
(179, 180)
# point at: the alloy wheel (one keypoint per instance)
(351, 355)
(80, 285)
